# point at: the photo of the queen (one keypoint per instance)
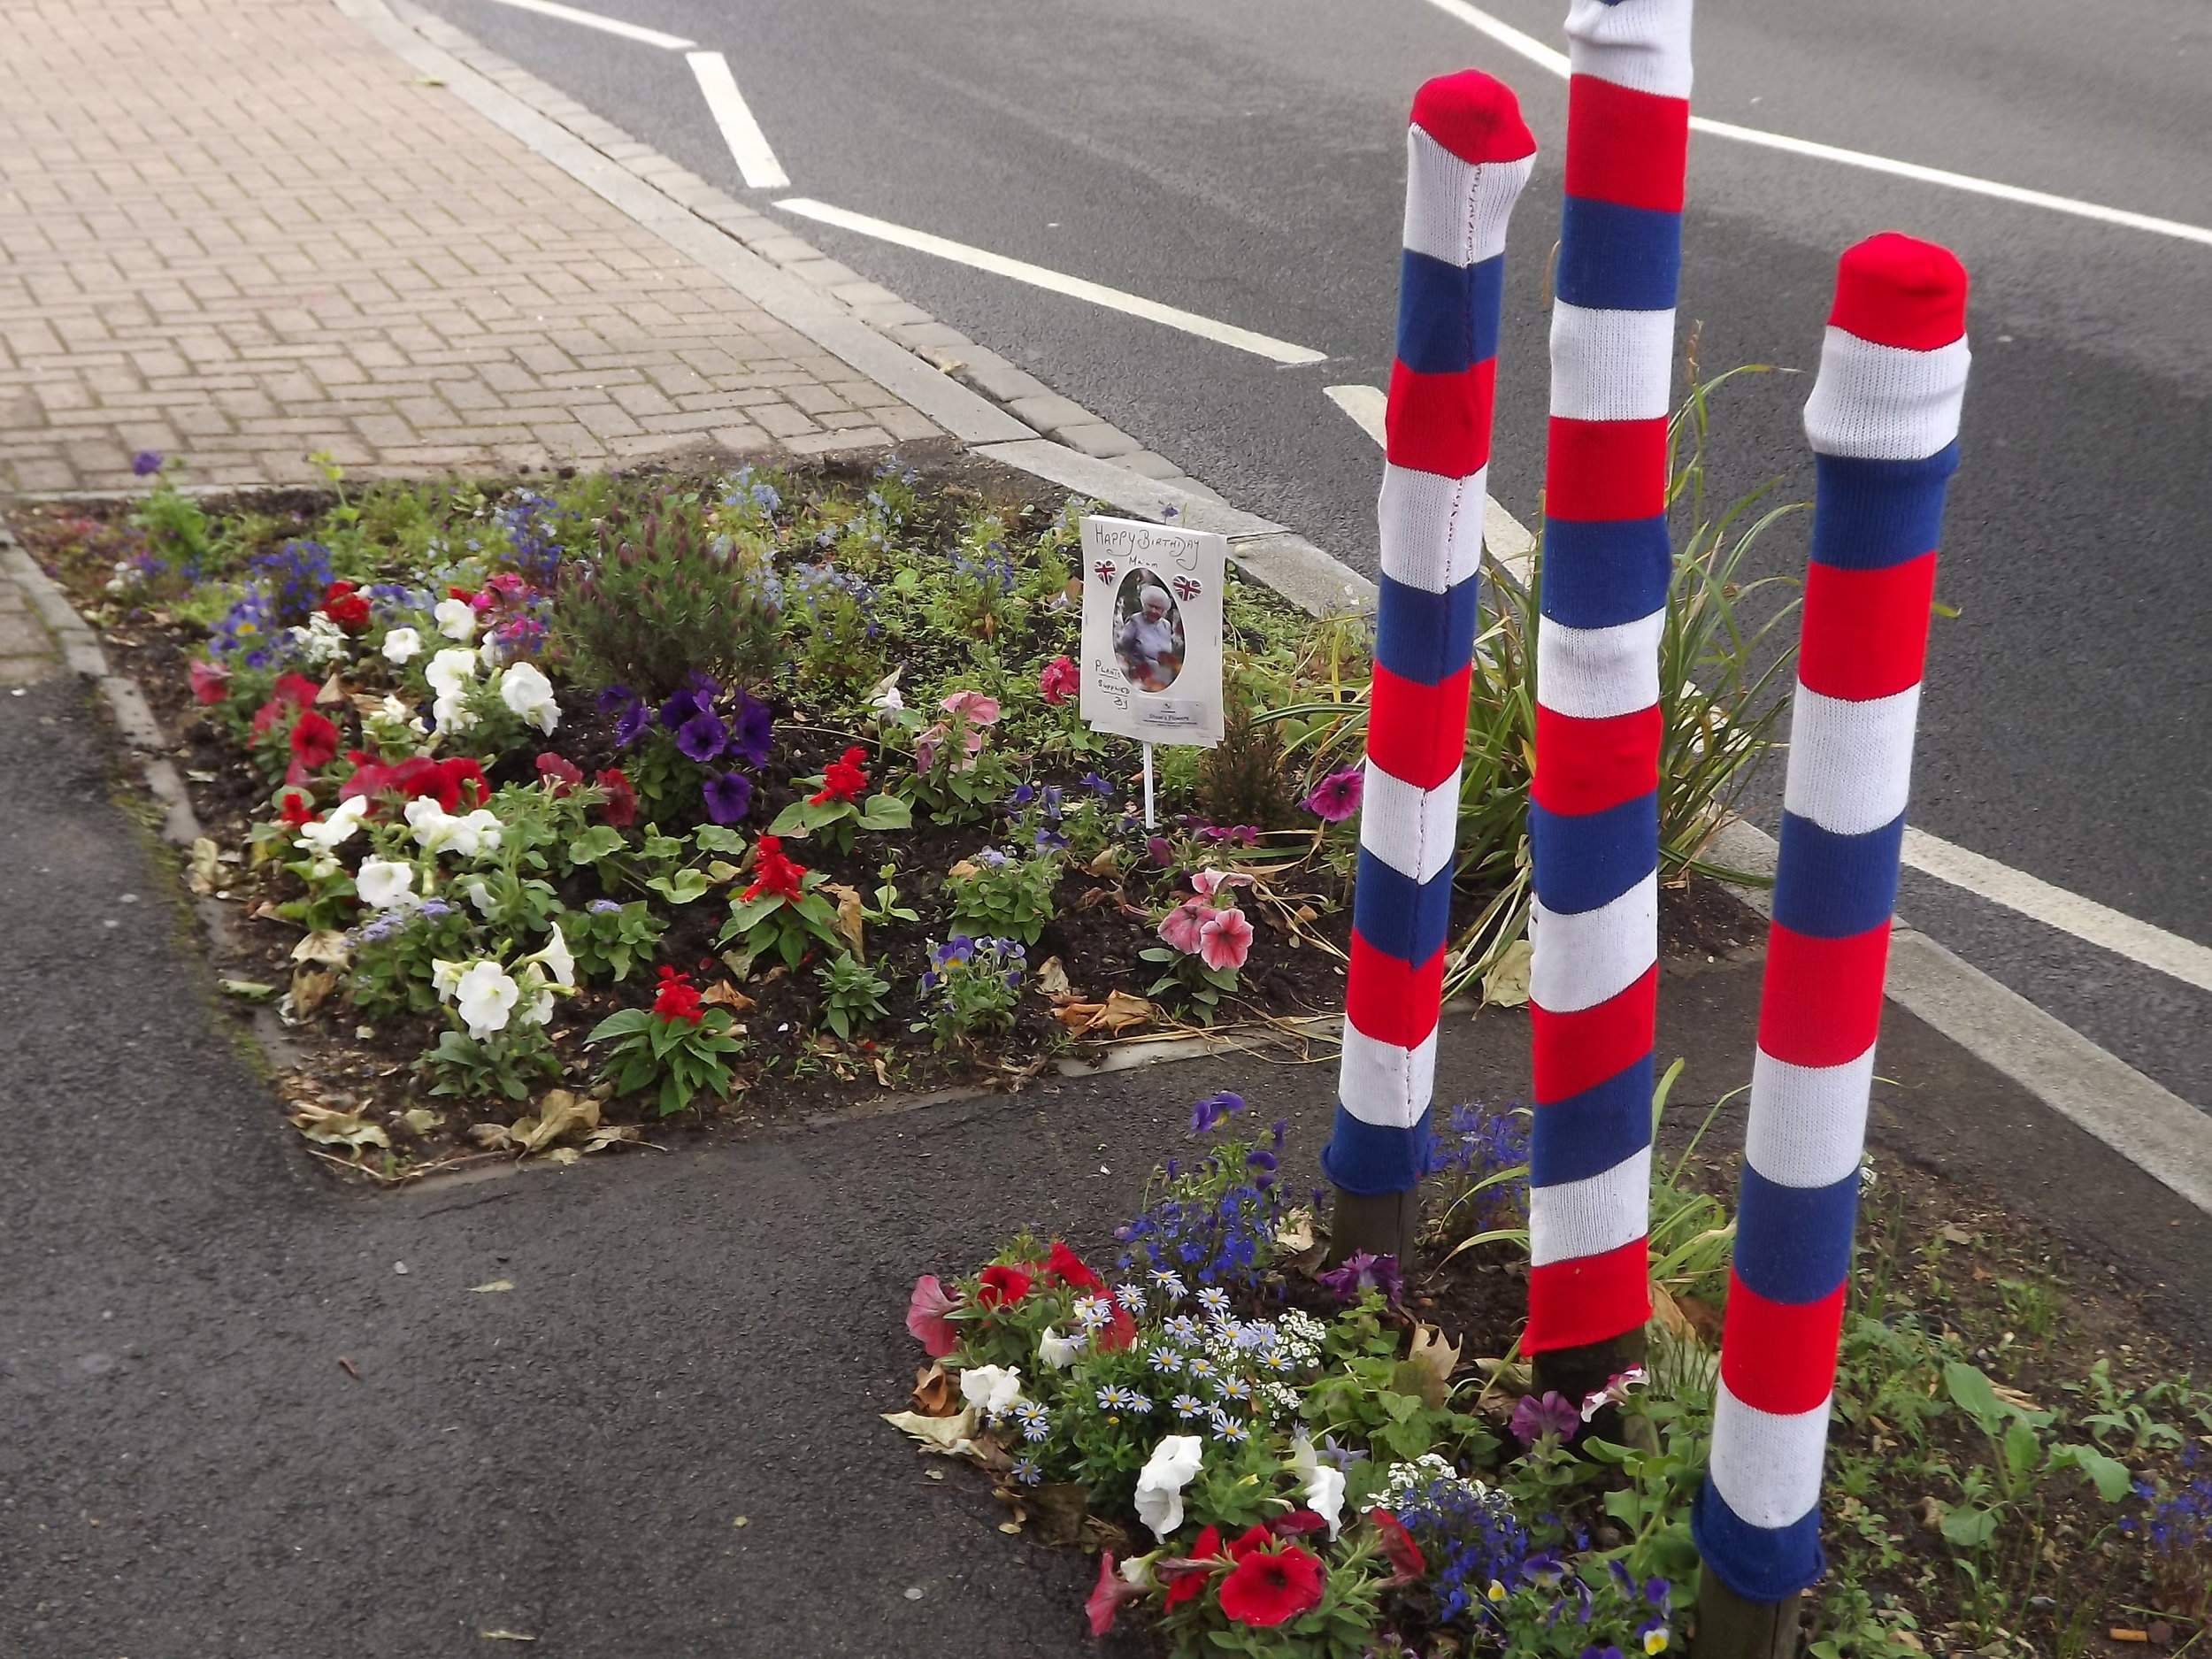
(1148, 631)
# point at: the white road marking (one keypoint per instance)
(1511, 548)
(748, 145)
(1364, 404)
(1057, 282)
(605, 24)
(2124, 935)
(1556, 62)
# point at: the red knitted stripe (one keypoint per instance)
(1865, 631)
(1588, 765)
(1475, 118)
(1821, 1002)
(1625, 146)
(1440, 423)
(1897, 290)
(1604, 469)
(1591, 1299)
(1571, 1052)
(1393, 1000)
(1779, 1357)
(1418, 733)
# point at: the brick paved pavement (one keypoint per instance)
(240, 231)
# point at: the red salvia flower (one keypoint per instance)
(619, 809)
(678, 998)
(842, 779)
(1002, 1286)
(1271, 1586)
(314, 740)
(772, 873)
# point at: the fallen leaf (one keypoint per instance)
(328, 947)
(493, 1136)
(206, 866)
(741, 1520)
(311, 989)
(1955, 1233)
(2015, 1398)
(966, 868)
(1107, 865)
(420, 1119)
(1296, 1231)
(1506, 985)
(487, 1288)
(1930, 1512)
(883, 1072)
(723, 994)
(563, 1156)
(1011, 1527)
(1051, 979)
(1435, 1360)
(848, 920)
(249, 990)
(951, 1436)
(1117, 1014)
(936, 1391)
(558, 1112)
(334, 691)
(610, 1135)
(331, 1128)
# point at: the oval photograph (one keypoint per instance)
(1148, 631)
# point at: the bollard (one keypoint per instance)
(1883, 419)
(1594, 801)
(1468, 155)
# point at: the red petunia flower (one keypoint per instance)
(295, 806)
(1064, 1265)
(1108, 1594)
(562, 774)
(619, 808)
(1187, 1582)
(314, 740)
(348, 609)
(1271, 1586)
(772, 873)
(270, 715)
(1002, 1286)
(466, 774)
(678, 998)
(842, 779)
(211, 682)
(1116, 1334)
(296, 689)
(1060, 680)
(1406, 1560)
(925, 1319)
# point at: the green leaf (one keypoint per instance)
(1970, 1528)
(1971, 1392)
(2110, 1474)
(719, 838)
(681, 887)
(886, 812)
(791, 821)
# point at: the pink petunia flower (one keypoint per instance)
(1337, 797)
(211, 682)
(925, 1318)
(1183, 924)
(977, 709)
(1208, 882)
(1059, 681)
(1225, 939)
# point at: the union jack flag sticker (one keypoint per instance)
(1105, 569)
(1186, 587)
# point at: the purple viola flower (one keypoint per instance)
(729, 796)
(701, 738)
(1336, 797)
(1259, 1158)
(752, 733)
(1206, 1113)
(1092, 780)
(1539, 1416)
(146, 463)
(1359, 1272)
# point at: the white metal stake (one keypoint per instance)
(1148, 822)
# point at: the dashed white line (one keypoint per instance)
(748, 145)
(1511, 548)
(1364, 404)
(604, 25)
(1057, 282)
(1555, 62)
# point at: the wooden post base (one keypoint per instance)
(1729, 1627)
(1381, 1223)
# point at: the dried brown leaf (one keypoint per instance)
(848, 915)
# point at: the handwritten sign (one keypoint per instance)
(1152, 631)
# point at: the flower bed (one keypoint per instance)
(1273, 1458)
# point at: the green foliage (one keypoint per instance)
(1002, 893)
(852, 994)
(676, 1059)
(971, 989)
(506, 1063)
(1245, 779)
(608, 943)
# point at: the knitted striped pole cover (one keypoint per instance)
(1593, 802)
(1468, 155)
(1884, 420)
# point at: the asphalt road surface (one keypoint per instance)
(1244, 160)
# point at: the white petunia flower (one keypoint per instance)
(487, 997)
(477, 832)
(537, 1008)
(477, 894)
(456, 620)
(320, 836)
(530, 694)
(1324, 1484)
(1058, 1351)
(384, 884)
(402, 645)
(993, 1387)
(558, 960)
(449, 673)
(1172, 1466)
(445, 978)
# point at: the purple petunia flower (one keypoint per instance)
(729, 796)
(752, 733)
(1362, 1271)
(701, 738)
(1206, 1113)
(1336, 797)
(1537, 1415)
(616, 698)
(684, 707)
(635, 717)
(146, 463)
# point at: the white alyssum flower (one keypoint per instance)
(384, 884)
(1324, 1483)
(402, 645)
(457, 618)
(993, 1387)
(526, 690)
(486, 995)
(322, 836)
(1058, 1351)
(1172, 1466)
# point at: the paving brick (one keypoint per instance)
(1100, 439)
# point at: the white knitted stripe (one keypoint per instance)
(1807, 1123)
(1383, 1084)
(1598, 1213)
(1610, 365)
(1595, 673)
(1850, 762)
(1884, 403)
(1410, 829)
(1431, 527)
(1581, 958)
(1439, 189)
(1767, 1466)
(1640, 43)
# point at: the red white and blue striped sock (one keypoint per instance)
(1884, 419)
(1594, 811)
(1469, 154)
